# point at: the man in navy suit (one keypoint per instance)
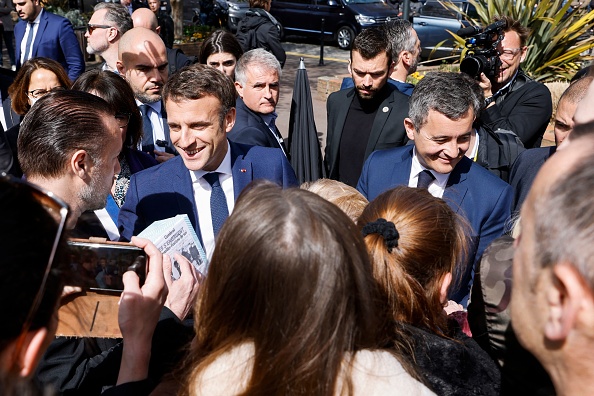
(441, 114)
(257, 80)
(142, 61)
(200, 103)
(41, 33)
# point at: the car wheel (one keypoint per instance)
(281, 33)
(344, 37)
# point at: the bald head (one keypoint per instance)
(144, 17)
(142, 60)
(140, 40)
(583, 113)
(566, 108)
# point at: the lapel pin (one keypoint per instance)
(243, 170)
(385, 109)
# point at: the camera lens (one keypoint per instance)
(472, 66)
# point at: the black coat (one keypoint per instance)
(456, 366)
(259, 29)
(525, 110)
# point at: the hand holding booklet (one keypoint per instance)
(176, 235)
(93, 311)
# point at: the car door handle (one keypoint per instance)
(423, 23)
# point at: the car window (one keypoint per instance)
(472, 13)
(437, 10)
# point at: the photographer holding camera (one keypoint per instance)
(514, 101)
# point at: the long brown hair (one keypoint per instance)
(291, 274)
(18, 89)
(431, 243)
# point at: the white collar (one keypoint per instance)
(224, 167)
(441, 179)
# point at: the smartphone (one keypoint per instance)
(101, 265)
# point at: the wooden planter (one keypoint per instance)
(190, 49)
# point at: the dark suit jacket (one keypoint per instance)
(524, 170)
(250, 128)
(525, 110)
(387, 130)
(484, 199)
(55, 39)
(166, 190)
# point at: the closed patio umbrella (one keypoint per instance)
(304, 146)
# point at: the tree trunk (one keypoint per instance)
(177, 13)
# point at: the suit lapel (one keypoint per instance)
(181, 184)
(40, 30)
(340, 118)
(19, 33)
(401, 171)
(456, 187)
(381, 117)
(242, 171)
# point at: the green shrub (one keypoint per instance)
(559, 36)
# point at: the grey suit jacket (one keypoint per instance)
(387, 130)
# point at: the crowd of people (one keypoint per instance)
(393, 275)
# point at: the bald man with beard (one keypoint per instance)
(142, 61)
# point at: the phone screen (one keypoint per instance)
(100, 266)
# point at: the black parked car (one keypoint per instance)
(343, 19)
(432, 25)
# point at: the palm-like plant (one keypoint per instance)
(558, 37)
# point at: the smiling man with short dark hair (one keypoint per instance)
(442, 110)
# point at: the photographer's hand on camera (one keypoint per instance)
(487, 88)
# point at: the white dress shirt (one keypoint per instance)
(156, 122)
(24, 40)
(202, 197)
(437, 187)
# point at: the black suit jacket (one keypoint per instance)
(525, 110)
(387, 130)
(524, 170)
(251, 129)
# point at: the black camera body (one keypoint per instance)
(482, 55)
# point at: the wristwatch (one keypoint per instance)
(489, 100)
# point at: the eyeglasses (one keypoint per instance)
(123, 119)
(91, 27)
(38, 93)
(509, 53)
(58, 209)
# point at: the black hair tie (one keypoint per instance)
(386, 229)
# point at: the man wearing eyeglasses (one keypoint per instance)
(43, 34)
(104, 31)
(513, 101)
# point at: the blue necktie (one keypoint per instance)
(29, 40)
(148, 144)
(218, 203)
(425, 179)
(112, 209)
